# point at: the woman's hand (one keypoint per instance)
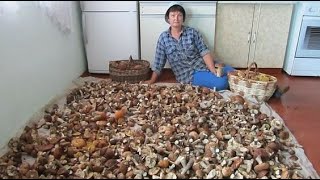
(213, 71)
(148, 82)
(153, 78)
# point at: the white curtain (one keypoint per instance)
(59, 12)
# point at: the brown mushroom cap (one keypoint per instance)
(260, 167)
(262, 173)
(255, 152)
(237, 99)
(163, 163)
(274, 146)
(226, 171)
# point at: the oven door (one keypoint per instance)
(309, 38)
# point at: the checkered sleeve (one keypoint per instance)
(160, 56)
(200, 43)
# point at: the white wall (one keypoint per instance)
(37, 62)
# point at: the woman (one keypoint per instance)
(188, 55)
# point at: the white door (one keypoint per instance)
(109, 36)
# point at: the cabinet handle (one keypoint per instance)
(249, 34)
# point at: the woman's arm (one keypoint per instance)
(153, 79)
(208, 59)
(204, 51)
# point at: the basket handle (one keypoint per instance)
(130, 62)
(249, 68)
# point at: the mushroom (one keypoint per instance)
(211, 174)
(284, 136)
(255, 144)
(154, 171)
(277, 124)
(187, 166)
(255, 152)
(261, 166)
(263, 173)
(249, 164)
(236, 175)
(237, 99)
(164, 163)
(194, 135)
(171, 175)
(236, 163)
(226, 171)
(284, 173)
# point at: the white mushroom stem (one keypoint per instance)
(162, 175)
(203, 164)
(135, 161)
(258, 159)
(238, 175)
(196, 141)
(178, 160)
(211, 174)
(172, 166)
(155, 177)
(171, 175)
(188, 166)
(138, 176)
(249, 165)
(183, 162)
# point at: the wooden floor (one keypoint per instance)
(299, 108)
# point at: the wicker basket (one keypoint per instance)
(131, 71)
(247, 83)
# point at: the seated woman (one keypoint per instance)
(188, 55)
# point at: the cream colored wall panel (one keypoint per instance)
(233, 32)
(272, 35)
(254, 33)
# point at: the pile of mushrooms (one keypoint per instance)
(112, 130)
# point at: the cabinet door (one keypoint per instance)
(107, 38)
(233, 33)
(272, 35)
(150, 30)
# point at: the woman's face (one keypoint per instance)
(175, 19)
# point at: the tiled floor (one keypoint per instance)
(299, 108)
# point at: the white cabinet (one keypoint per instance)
(199, 14)
(110, 32)
(252, 32)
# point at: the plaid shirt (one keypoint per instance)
(184, 55)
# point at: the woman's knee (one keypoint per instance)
(228, 68)
(207, 79)
(219, 83)
(222, 85)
